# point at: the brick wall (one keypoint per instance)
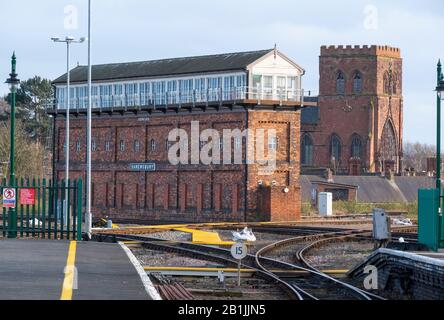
(184, 193)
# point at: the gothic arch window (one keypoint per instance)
(357, 82)
(335, 149)
(388, 143)
(386, 83)
(356, 147)
(340, 83)
(307, 150)
(395, 83)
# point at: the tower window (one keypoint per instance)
(137, 146)
(168, 144)
(237, 143)
(307, 151)
(78, 146)
(273, 143)
(94, 146)
(356, 147)
(335, 149)
(122, 145)
(357, 82)
(153, 145)
(340, 83)
(107, 146)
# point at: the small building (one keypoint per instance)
(136, 107)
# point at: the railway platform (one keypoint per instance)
(417, 274)
(64, 270)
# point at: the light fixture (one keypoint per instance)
(440, 88)
(13, 82)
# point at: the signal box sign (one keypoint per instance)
(27, 197)
(9, 198)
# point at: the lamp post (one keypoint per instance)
(68, 41)
(439, 92)
(88, 216)
(13, 83)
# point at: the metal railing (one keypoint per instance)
(55, 211)
(207, 96)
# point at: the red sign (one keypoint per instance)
(27, 197)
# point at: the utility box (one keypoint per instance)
(325, 204)
(428, 218)
(381, 225)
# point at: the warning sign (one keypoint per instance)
(27, 197)
(9, 198)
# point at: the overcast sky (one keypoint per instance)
(130, 30)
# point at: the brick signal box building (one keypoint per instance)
(358, 123)
(136, 106)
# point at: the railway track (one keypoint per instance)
(315, 286)
(310, 284)
(305, 244)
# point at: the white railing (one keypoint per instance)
(207, 96)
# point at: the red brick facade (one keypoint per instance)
(184, 193)
(360, 104)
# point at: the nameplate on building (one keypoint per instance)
(143, 166)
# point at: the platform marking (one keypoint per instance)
(148, 285)
(70, 273)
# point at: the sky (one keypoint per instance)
(137, 30)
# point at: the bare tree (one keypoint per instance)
(416, 154)
(29, 153)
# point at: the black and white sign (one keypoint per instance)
(239, 251)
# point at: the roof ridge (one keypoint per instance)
(179, 58)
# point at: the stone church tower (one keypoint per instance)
(359, 122)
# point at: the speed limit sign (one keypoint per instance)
(239, 251)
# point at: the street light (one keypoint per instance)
(439, 91)
(13, 83)
(68, 40)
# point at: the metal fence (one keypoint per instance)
(43, 209)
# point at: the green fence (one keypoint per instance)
(43, 209)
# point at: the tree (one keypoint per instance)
(416, 154)
(29, 153)
(33, 96)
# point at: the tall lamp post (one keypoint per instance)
(68, 41)
(13, 83)
(88, 217)
(439, 91)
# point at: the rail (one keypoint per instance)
(207, 96)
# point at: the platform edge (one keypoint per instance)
(148, 285)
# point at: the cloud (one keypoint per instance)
(128, 30)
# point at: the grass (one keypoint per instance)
(351, 207)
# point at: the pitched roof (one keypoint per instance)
(375, 189)
(166, 67)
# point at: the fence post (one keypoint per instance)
(68, 204)
(33, 209)
(44, 207)
(79, 209)
(5, 217)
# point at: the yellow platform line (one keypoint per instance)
(70, 273)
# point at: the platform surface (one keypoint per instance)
(35, 270)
